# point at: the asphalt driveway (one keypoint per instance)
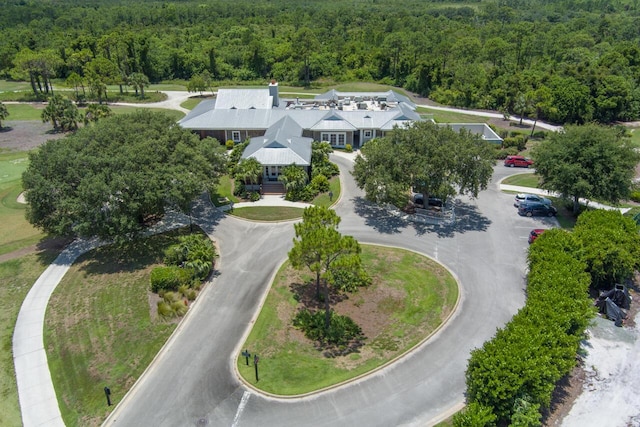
(192, 381)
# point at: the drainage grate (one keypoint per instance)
(203, 422)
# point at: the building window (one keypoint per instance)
(335, 139)
(367, 134)
(235, 135)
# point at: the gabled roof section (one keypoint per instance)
(282, 144)
(333, 121)
(243, 99)
(402, 116)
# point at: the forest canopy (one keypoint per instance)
(562, 61)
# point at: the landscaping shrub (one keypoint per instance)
(540, 134)
(518, 141)
(191, 294)
(179, 308)
(254, 196)
(239, 188)
(474, 415)
(635, 196)
(327, 169)
(169, 278)
(230, 144)
(504, 152)
(183, 289)
(164, 309)
(320, 184)
(539, 345)
(342, 329)
(171, 297)
(348, 279)
(348, 148)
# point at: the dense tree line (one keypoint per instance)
(563, 61)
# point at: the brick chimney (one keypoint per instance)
(273, 92)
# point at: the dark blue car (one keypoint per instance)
(536, 209)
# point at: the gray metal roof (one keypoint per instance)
(390, 96)
(243, 99)
(202, 118)
(481, 129)
(281, 145)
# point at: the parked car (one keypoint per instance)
(518, 161)
(533, 235)
(525, 197)
(536, 209)
(418, 199)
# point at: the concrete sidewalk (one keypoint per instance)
(38, 402)
(37, 396)
(266, 200)
(585, 202)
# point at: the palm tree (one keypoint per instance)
(293, 177)
(139, 81)
(249, 170)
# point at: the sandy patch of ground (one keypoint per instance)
(611, 389)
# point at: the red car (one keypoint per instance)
(533, 235)
(518, 161)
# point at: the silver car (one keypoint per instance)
(525, 197)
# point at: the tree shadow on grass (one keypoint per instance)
(4, 129)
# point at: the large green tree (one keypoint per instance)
(430, 158)
(116, 177)
(321, 248)
(590, 161)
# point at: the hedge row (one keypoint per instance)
(513, 375)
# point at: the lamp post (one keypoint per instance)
(107, 392)
(256, 359)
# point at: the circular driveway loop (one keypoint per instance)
(192, 381)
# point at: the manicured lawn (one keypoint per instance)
(123, 109)
(171, 85)
(11, 86)
(101, 328)
(34, 111)
(267, 213)
(523, 180)
(17, 276)
(25, 111)
(323, 198)
(224, 189)
(412, 295)
(451, 117)
(191, 103)
(15, 232)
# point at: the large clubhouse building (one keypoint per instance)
(281, 131)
